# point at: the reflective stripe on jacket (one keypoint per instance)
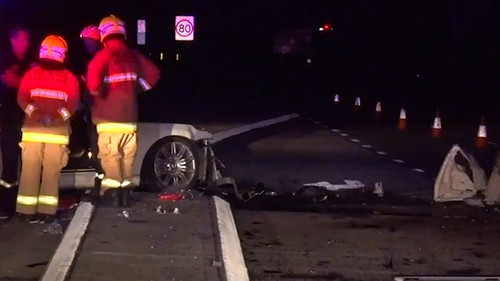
(115, 78)
(45, 138)
(48, 92)
(116, 128)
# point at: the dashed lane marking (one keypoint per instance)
(369, 146)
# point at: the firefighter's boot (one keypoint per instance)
(126, 197)
(44, 218)
(111, 197)
(27, 218)
(92, 195)
(8, 201)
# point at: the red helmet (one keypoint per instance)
(91, 31)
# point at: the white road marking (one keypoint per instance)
(366, 146)
(398, 161)
(335, 130)
(316, 122)
(354, 140)
(344, 134)
(381, 153)
(419, 170)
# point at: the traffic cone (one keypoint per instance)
(436, 126)
(336, 99)
(482, 135)
(357, 104)
(378, 112)
(402, 119)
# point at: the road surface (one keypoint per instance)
(283, 240)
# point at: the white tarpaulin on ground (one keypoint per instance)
(492, 192)
(349, 184)
(460, 177)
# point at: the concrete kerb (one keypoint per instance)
(60, 265)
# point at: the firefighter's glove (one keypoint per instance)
(47, 120)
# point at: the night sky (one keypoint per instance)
(375, 44)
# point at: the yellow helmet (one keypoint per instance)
(112, 25)
(53, 47)
(91, 31)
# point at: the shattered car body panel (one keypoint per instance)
(459, 178)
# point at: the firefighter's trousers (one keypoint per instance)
(45, 161)
(11, 121)
(117, 152)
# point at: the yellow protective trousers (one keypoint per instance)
(45, 161)
(117, 152)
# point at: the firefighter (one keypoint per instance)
(13, 64)
(115, 76)
(91, 38)
(49, 94)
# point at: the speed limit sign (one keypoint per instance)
(184, 28)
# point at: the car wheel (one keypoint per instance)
(172, 164)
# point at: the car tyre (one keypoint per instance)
(168, 157)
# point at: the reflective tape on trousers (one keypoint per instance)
(27, 200)
(7, 184)
(45, 138)
(48, 200)
(116, 128)
(110, 183)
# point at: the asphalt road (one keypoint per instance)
(414, 145)
(26, 250)
(352, 235)
(309, 246)
(286, 156)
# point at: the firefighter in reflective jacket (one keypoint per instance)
(49, 95)
(115, 76)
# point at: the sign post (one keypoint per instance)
(141, 32)
(184, 28)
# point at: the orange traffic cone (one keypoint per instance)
(402, 119)
(482, 135)
(436, 126)
(378, 111)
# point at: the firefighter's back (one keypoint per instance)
(49, 90)
(118, 99)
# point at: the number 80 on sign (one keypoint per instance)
(184, 28)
